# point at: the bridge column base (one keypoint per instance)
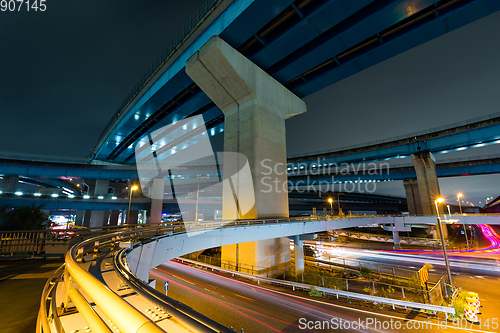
(269, 258)
(99, 218)
(395, 236)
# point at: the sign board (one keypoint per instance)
(423, 275)
(165, 287)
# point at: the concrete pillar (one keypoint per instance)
(113, 217)
(86, 218)
(428, 185)
(255, 107)
(395, 237)
(79, 217)
(157, 200)
(134, 214)
(99, 218)
(298, 252)
(413, 196)
(10, 183)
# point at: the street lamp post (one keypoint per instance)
(132, 189)
(443, 245)
(459, 195)
(330, 200)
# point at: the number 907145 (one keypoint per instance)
(22, 5)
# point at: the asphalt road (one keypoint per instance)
(258, 308)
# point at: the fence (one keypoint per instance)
(408, 288)
(334, 292)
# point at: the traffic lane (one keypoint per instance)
(261, 309)
(241, 305)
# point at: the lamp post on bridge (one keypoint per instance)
(443, 245)
(132, 189)
(330, 200)
(459, 195)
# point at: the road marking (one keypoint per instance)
(185, 280)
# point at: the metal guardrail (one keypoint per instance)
(184, 314)
(333, 292)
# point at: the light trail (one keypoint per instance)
(489, 234)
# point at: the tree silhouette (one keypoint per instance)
(23, 218)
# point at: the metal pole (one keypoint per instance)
(338, 201)
(465, 230)
(443, 245)
(129, 202)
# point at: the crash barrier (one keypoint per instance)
(334, 292)
(78, 280)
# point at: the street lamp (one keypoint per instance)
(443, 245)
(132, 189)
(459, 195)
(330, 200)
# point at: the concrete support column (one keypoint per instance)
(157, 200)
(99, 218)
(79, 217)
(395, 237)
(428, 185)
(298, 251)
(113, 217)
(86, 218)
(255, 107)
(132, 219)
(413, 196)
(10, 183)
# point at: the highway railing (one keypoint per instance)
(329, 291)
(125, 317)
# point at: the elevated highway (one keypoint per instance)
(304, 45)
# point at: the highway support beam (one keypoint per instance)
(428, 184)
(255, 107)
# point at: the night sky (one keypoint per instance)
(65, 71)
